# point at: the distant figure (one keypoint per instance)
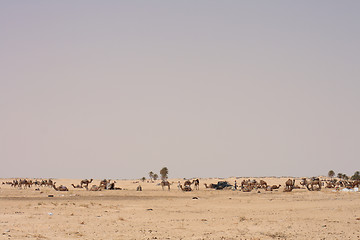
(139, 188)
(235, 185)
(179, 185)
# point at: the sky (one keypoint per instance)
(117, 89)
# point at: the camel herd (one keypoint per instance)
(28, 183)
(311, 184)
(185, 188)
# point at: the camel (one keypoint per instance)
(330, 184)
(247, 188)
(312, 182)
(196, 183)
(263, 184)
(111, 186)
(94, 188)
(209, 186)
(85, 182)
(60, 188)
(25, 183)
(270, 188)
(356, 183)
(289, 185)
(185, 188)
(104, 183)
(248, 185)
(50, 183)
(187, 183)
(77, 186)
(165, 183)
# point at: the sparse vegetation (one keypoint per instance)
(151, 175)
(356, 176)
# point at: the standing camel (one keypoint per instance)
(165, 183)
(196, 183)
(289, 185)
(85, 182)
(309, 184)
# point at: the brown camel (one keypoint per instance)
(104, 183)
(185, 188)
(247, 188)
(275, 187)
(165, 183)
(85, 182)
(187, 183)
(309, 184)
(77, 186)
(60, 188)
(289, 185)
(263, 184)
(356, 183)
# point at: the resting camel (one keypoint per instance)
(247, 188)
(330, 184)
(263, 184)
(77, 186)
(187, 183)
(270, 188)
(289, 185)
(209, 186)
(185, 188)
(165, 183)
(60, 188)
(312, 182)
(95, 188)
(85, 182)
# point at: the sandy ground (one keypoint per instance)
(157, 214)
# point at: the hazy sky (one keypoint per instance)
(116, 89)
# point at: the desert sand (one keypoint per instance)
(157, 214)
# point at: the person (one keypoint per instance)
(179, 185)
(235, 185)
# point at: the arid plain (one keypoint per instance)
(157, 214)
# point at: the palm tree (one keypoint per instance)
(356, 176)
(331, 173)
(164, 173)
(151, 175)
(340, 175)
(155, 176)
(143, 179)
